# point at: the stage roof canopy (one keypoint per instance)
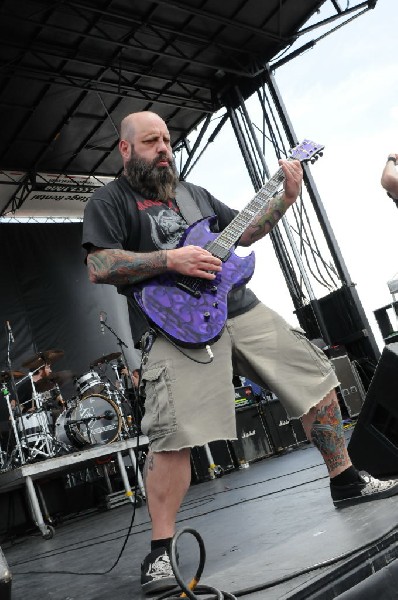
(71, 70)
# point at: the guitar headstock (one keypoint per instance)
(306, 151)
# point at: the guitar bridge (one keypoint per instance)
(190, 285)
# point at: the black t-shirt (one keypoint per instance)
(117, 216)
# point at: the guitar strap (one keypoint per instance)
(187, 205)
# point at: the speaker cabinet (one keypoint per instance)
(284, 433)
(253, 441)
(351, 390)
(374, 442)
(5, 578)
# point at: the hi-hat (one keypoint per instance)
(50, 381)
(48, 357)
(106, 359)
(5, 376)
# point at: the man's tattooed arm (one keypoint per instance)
(120, 267)
(266, 220)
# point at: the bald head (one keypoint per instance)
(139, 122)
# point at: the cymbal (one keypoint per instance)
(50, 381)
(5, 376)
(105, 359)
(42, 358)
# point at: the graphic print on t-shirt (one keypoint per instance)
(165, 222)
(166, 228)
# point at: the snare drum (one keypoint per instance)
(94, 420)
(89, 383)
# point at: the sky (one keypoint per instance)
(342, 93)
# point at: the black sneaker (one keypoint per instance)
(370, 489)
(156, 572)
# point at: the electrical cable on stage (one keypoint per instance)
(193, 584)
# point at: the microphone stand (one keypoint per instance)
(121, 345)
(119, 342)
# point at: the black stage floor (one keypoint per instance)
(270, 532)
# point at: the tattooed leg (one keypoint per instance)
(324, 427)
(167, 476)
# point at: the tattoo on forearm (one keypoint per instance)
(327, 434)
(268, 217)
(119, 267)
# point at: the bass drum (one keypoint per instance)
(95, 420)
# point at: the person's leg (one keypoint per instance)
(273, 354)
(323, 426)
(167, 476)
(189, 401)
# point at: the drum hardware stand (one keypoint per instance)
(18, 446)
(119, 392)
(47, 448)
(6, 394)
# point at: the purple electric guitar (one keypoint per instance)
(193, 311)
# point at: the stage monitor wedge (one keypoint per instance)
(5, 578)
(374, 442)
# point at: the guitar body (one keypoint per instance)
(193, 320)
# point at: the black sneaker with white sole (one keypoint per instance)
(156, 572)
(369, 489)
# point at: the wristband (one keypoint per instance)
(393, 159)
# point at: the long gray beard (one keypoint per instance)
(152, 181)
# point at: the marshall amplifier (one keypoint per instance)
(253, 441)
(285, 433)
(351, 390)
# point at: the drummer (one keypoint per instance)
(27, 403)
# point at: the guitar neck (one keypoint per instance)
(227, 239)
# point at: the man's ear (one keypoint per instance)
(124, 149)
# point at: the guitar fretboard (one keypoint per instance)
(227, 239)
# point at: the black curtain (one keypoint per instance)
(50, 303)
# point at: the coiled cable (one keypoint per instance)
(188, 590)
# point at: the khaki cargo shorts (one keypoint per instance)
(190, 400)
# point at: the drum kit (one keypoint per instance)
(46, 425)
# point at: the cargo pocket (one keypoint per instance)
(160, 417)
(318, 357)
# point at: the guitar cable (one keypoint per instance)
(200, 362)
(188, 590)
